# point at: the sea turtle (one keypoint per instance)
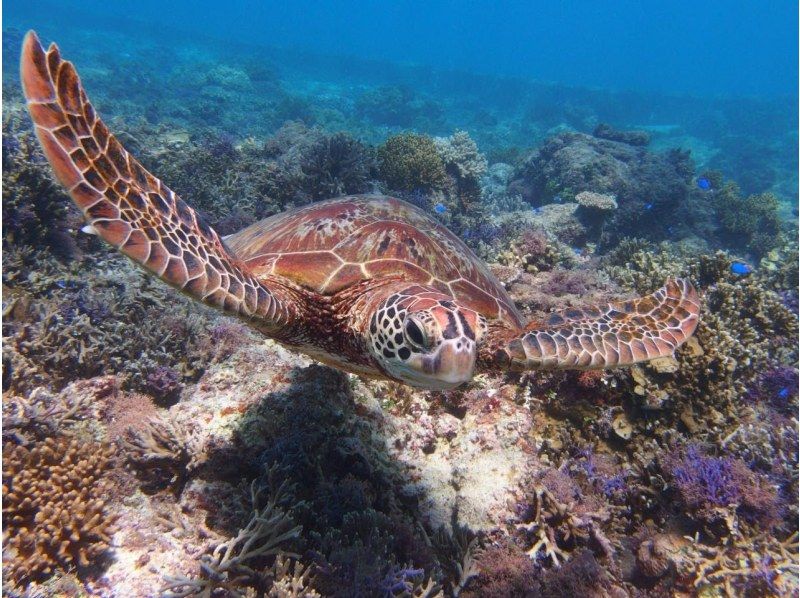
(368, 284)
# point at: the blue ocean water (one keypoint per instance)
(719, 80)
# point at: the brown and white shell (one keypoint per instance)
(331, 245)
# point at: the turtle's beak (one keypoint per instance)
(453, 364)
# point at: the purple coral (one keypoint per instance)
(706, 483)
(778, 386)
(164, 383)
(400, 581)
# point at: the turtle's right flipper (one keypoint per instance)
(129, 207)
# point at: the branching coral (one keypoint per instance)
(35, 208)
(291, 580)
(54, 507)
(160, 452)
(554, 522)
(760, 566)
(65, 326)
(231, 564)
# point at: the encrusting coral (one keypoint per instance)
(55, 511)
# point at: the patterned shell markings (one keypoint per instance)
(331, 245)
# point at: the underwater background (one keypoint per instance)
(585, 151)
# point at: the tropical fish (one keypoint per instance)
(741, 268)
(703, 183)
(440, 208)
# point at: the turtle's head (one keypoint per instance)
(425, 338)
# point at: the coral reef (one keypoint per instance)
(54, 508)
(36, 211)
(749, 223)
(409, 161)
(647, 186)
(464, 163)
(606, 131)
(241, 468)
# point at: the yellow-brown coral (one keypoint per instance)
(54, 508)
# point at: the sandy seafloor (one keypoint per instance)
(152, 445)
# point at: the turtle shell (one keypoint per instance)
(330, 245)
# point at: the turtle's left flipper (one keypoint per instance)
(618, 334)
(129, 207)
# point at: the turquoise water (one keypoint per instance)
(718, 80)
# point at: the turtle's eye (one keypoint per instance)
(415, 334)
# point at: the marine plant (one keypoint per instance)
(706, 485)
(55, 508)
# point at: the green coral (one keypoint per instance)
(752, 223)
(410, 161)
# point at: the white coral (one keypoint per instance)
(460, 151)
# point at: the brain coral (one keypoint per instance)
(54, 509)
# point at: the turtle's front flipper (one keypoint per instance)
(618, 334)
(129, 207)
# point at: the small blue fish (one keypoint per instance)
(537, 210)
(741, 268)
(784, 392)
(440, 208)
(648, 206)
(703, 183)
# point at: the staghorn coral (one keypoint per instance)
(54, 507)
(555, 524)
(410, 161)
(758, 566)
(291, 580)
(230, 566)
